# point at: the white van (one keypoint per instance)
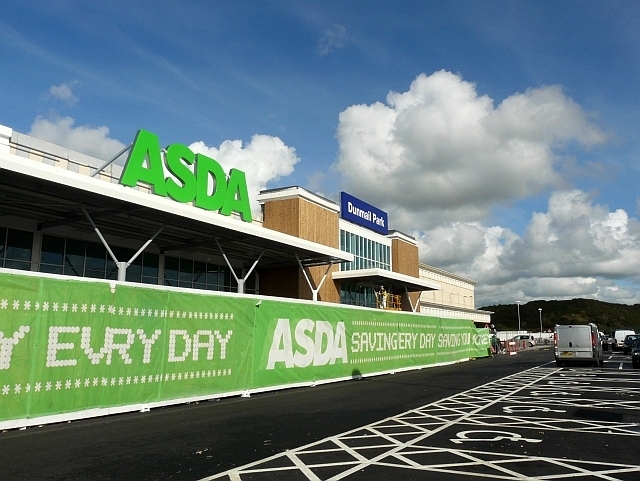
(578, 343)
(617, 338)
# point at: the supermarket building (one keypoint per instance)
(60, 214)
(127, 288)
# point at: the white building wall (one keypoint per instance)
(454, 300)
(455, 291)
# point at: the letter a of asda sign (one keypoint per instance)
(185, 177)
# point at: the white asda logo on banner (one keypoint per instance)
(316, 342)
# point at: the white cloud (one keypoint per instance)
(332, 39)
(314, 182)
(454, 151)
(64, 92)
(263, 159)
(87, 140)
(575, 249)
(439, 157)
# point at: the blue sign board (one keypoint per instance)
(361, 213)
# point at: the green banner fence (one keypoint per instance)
(73, 348)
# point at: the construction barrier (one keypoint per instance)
(73, 348)
(513, 347)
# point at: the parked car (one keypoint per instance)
(525, 337)
(635, 354)
(617, 337)
(578, 343)
(629, 342)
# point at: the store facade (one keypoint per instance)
(127, 288)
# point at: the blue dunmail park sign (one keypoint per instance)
(363, 214)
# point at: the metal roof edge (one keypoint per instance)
(294, 192)
(427, 267)
(57, 175)
(454, 308)
(388, 274)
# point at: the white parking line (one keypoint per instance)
(400, 442)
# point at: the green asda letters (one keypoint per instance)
(191, 177)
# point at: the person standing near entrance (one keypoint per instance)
(381, 297)
(495, 342)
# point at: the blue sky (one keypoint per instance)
(502, 135)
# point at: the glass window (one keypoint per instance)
(212, 277)
(367, 252)
(200, 273)
(250, 284)
(357, 295)
(134, 271)
(50, 269)
(150, 265)
(96, 260)
(171, 269)
(3, 238)
(112, 269)
(226, 279)
(19, 244)
(185, 274)
(52, 252)
(74, 258)
(15, 249)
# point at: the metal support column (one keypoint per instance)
(241, 281)
(109, 162)
(413, 308)
(314, 292)
(122, 266)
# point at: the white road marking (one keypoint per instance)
(400, 442)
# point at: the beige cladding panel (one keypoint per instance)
(303, 219)
(318, 224)
(329, 292)
(450, 295)
(404, 258)
(283, 216)
(280, 282)
(311, 222)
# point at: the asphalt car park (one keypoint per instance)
(507, 417)
(543, 423)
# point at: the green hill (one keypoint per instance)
(606, 315)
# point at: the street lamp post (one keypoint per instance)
(540, 311)
(518, 303)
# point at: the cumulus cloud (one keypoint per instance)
(332, 39)
(93, 141)
(576, 249)
(64, 92)
(456, 152)
(263, 159)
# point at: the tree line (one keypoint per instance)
(605, 315)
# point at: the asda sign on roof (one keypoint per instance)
(184, 176)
